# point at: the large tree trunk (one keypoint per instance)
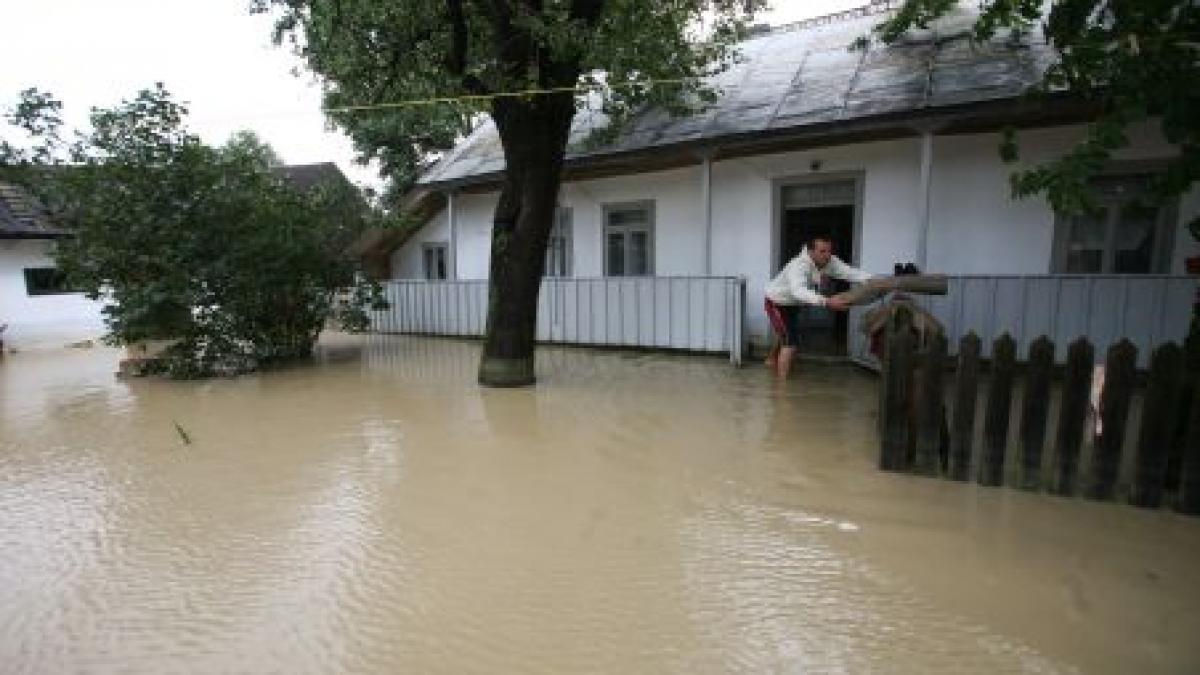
(534, 135)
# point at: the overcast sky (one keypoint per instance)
(211, 54)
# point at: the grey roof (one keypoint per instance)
(801, 75)
(308, 176)
(23, 217)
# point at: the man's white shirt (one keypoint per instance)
(797, 282)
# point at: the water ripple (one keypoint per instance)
(378, 512)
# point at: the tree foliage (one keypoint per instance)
(1130, 59)
(407, 78)
(459, 54)
(205, 246)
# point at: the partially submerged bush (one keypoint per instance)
(207, 247)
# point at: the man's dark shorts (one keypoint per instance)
(785, 321)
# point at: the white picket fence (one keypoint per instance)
(703, 314)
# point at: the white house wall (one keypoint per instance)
(41, 320)
(889, 171)
(678, 218)
(975, 225)
(406, 260)
(475, 234)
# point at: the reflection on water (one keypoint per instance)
(640, 512)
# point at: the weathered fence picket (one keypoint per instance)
(1189, 472)
(1120, 373)
(916, 437)
(1072, 416)
(1158, 426)
(931, 415)
(995, 423)
(1034, 411)
(962, 436)
(897, 396)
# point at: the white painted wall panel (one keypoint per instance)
(42, 320)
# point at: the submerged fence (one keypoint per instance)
(704, 314)
(918, 434)
(1147, 310)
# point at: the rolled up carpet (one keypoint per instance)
(877, 287)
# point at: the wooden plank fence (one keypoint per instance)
(920, 435)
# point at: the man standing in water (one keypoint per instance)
(797, 285)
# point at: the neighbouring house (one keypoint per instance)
(344, 203)
(893, 150)
(36, 304)
(306, 177)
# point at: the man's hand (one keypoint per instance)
(837, 304)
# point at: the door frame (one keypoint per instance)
(777, 187)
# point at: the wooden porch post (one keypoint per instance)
(706, 195)
(452, 221)
(923, 206)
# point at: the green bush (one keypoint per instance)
(206, 246)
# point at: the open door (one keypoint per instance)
(829, 209)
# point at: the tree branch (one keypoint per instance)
(457, 63)
(458, 38)
(508, 42)
(587, 11)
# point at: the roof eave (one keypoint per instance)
(34, 235)
(972, 117)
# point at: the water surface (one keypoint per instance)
(635, 512)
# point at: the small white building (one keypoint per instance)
(894, 151)
(35, 303)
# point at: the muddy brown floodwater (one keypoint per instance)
(635, 512)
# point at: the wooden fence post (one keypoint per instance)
(1158, 425)
(1120, 371)
(962, 436)
(931, 415)
(1072, 414)
(1034, 411)
(897, 397)
(995, 423)
(1189, 471)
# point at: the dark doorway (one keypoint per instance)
(823, 331)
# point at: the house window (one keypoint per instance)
(435, 261)
(558, 246)
(629, 239)
(46, 281)
(1122, 236)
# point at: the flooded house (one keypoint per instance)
(667, 235)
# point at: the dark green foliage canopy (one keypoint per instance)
(395, 53)
(205, 246)
(1130, 59)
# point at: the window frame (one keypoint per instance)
(564, 225)
(1164, 227)
(60, 288)
(426, 249)
(649, 228)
